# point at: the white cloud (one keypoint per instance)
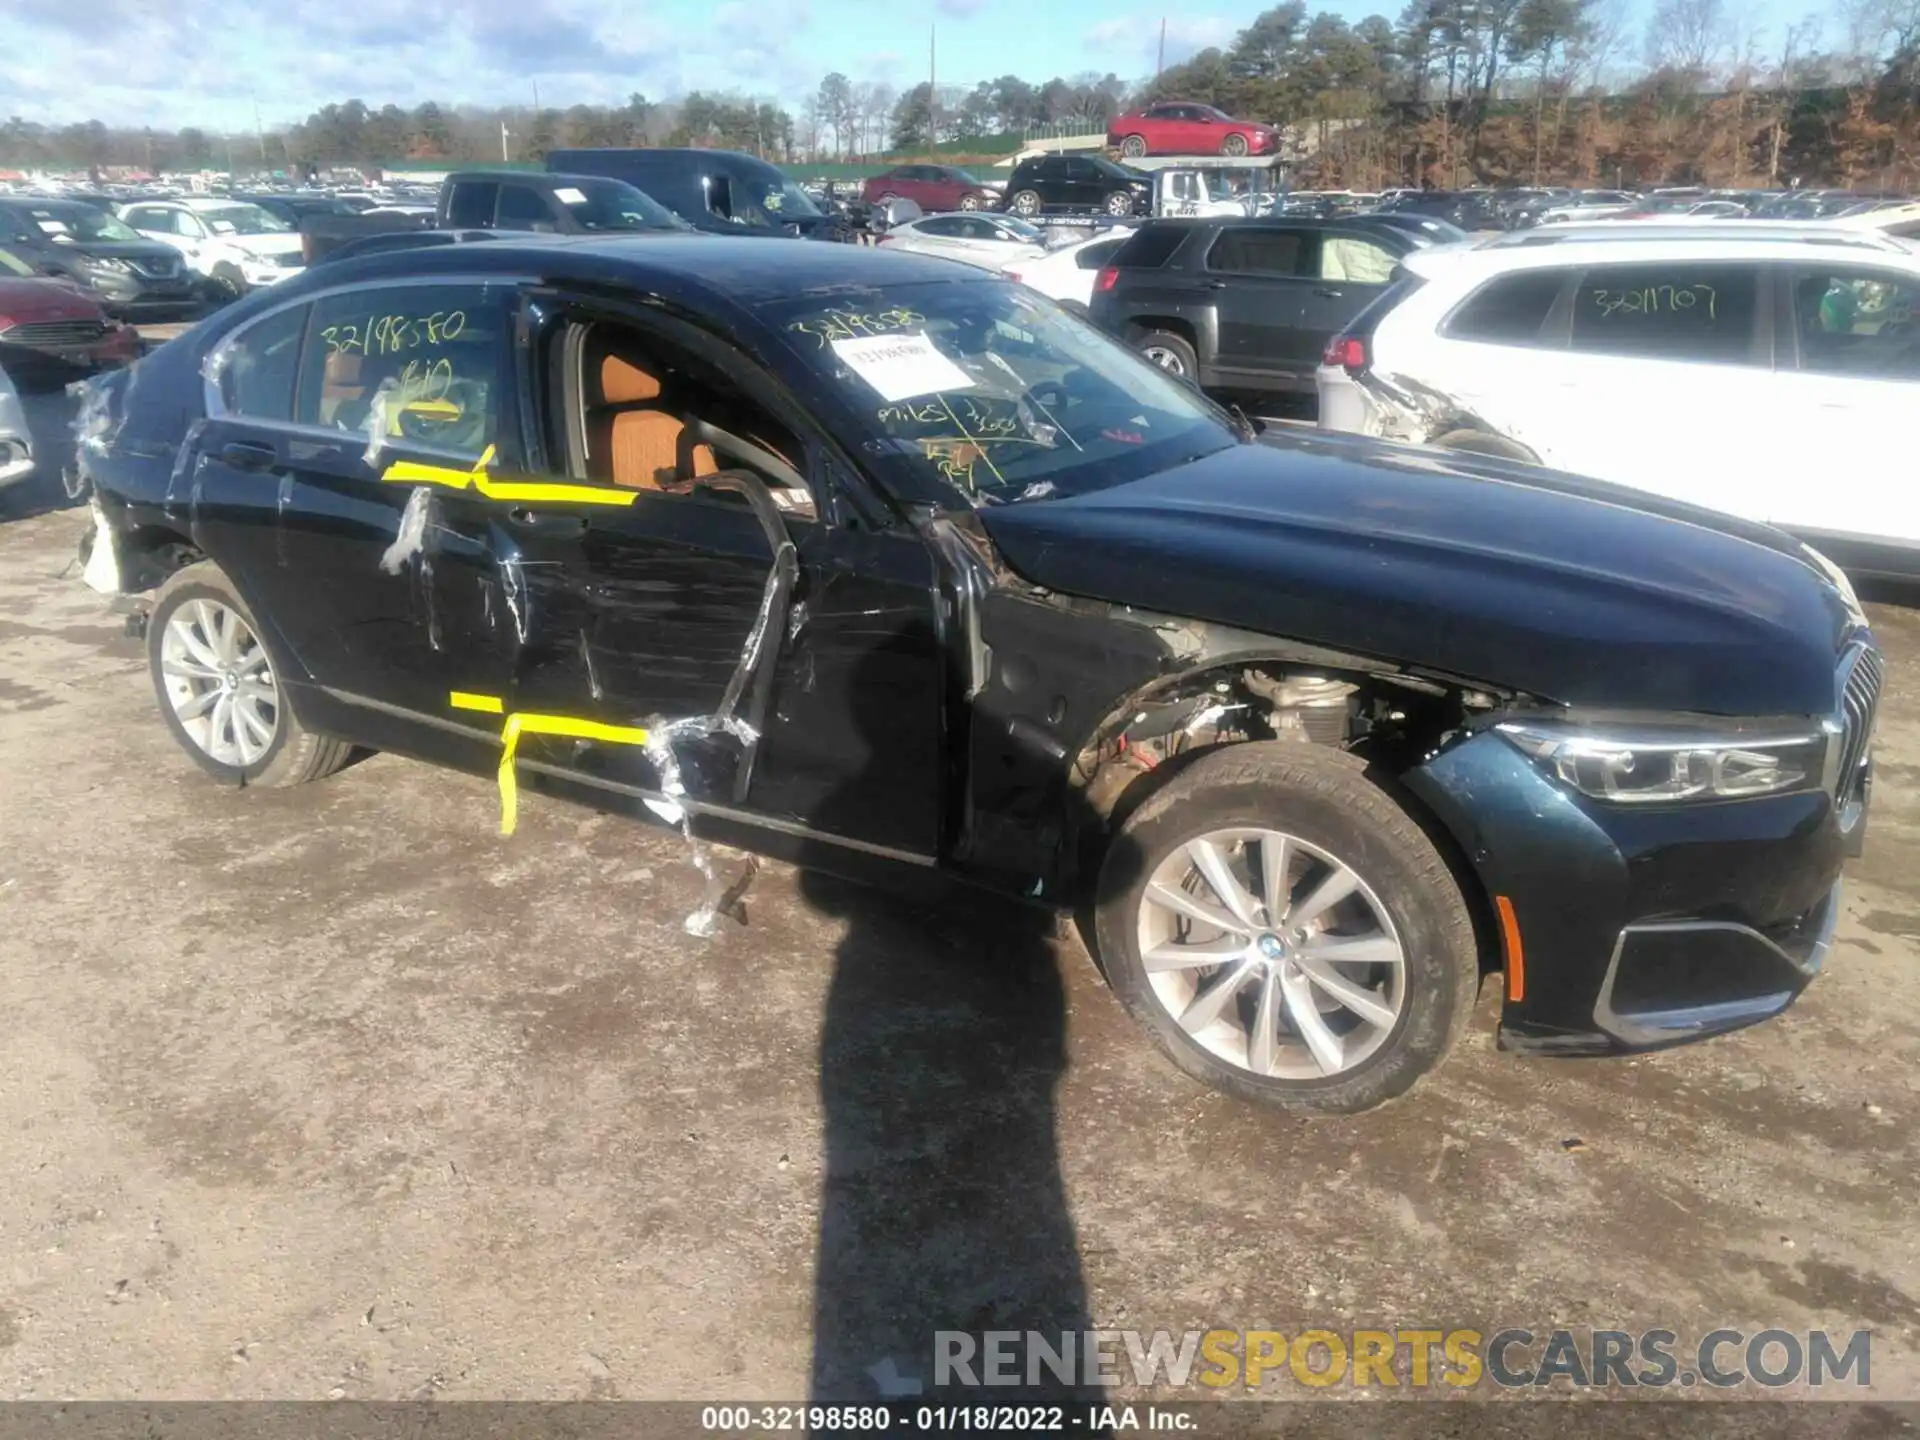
(1131, 38)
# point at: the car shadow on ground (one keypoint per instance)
(50, 412)
(943, 1207)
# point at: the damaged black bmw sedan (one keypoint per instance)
(886, 565)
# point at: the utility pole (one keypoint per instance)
(933, 90)
(260, 131)
(1160, 63)
(503, 142)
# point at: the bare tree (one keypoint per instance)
(1788, 80)
(1691, 36)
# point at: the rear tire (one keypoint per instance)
(1133, 146)
(1025, 203)
(1171, 353)
(219, 688)
(1290, 1018)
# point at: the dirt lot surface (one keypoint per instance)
(334, 1092)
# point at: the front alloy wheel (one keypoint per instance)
(220, 683)
(1272, 954)
(969, 202)
(1119, 203)
(1280, 923)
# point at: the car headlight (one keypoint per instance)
(106, 263)
(1654, 765)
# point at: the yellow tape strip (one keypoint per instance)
(566, 726)
(525, 492)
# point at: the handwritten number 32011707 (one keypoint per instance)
(1654, 299)
(391, 334)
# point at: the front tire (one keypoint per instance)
(1134, 146)
(969, 202)
(219, 692)
(1285, 931)
(1234, 145)
(1120, 203)
(228, 282)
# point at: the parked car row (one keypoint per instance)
(891, 567)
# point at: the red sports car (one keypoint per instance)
(46, 324)
(1178, 128)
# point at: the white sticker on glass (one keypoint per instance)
(567, 195)
(901, 366)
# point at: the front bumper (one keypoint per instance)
(257, 272)
(1641, 928)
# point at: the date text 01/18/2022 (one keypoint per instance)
(945, 1419)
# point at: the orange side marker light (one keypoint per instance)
(1516, 955)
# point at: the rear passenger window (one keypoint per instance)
(1669, 311)
(434, 352)
(1257, 252)
(1150, 247)
(1092, 257)
(1509, 311)
(1858, 323)
(257, 367)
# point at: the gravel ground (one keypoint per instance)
(333, 1092)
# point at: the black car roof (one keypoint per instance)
(746, 270)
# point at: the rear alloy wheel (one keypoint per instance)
(219, 692)
(1171, 353)
(1286, 931)
(1134, 146)
(1234, 144)
(1025, 202)
(1120, 203)
(969, 202)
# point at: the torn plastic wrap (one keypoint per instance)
(412, 536)
(740, 714)
(97, 419)
(378, 421)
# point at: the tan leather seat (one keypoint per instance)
(643, 445)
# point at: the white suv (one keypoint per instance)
(1770, 373)
(236, 244)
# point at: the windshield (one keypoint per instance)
(771, 203)
(1021, 229)
(999, 392)
(79, 222)
(965, 177)
(616, 205)
(12, 264)
(245, 219)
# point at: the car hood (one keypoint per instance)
(276, 243)
(118, 249)
(31, 301)
(1522, 579)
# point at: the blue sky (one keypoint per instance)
(208, 62)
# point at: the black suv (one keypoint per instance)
(1244, 305)
(130, 275)
(891, 567)
(1077, 185)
